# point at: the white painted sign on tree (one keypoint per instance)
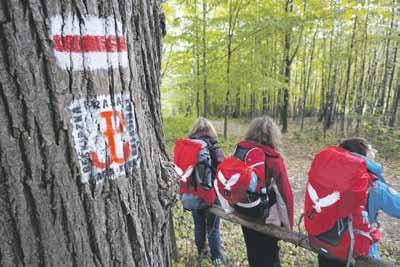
(105, 136)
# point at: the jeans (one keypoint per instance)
(324, 261)
(262, 249)
(206, 223)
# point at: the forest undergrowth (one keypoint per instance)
(298, 149)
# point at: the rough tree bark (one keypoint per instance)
(60, 207)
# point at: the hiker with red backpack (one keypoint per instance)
(196, 160)
(345, 191)
(255, 184)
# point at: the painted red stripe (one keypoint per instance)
(89, 43)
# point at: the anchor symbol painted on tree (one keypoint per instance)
(109, 135)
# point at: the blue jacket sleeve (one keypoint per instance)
(385, 198)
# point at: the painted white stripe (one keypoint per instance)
(90, 25)
(92, 60)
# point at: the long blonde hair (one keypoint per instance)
(204, 127)
(264, 131)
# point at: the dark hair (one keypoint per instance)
(356, 144)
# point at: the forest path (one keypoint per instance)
(298, 151)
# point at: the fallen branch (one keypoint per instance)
(289, 236)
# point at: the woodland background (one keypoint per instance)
(323, 70)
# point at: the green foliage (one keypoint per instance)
(385, 139)
(176, 127)
(317, 36)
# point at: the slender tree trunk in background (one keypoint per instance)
(307, 79)
(197, 55)
(205, 93)
(236, 113)
(389, 80)
(339, 85)
(233, 14)
(253, 111)
(389, 67)
(228, 72)
(377, 82)
(395, 106)
(286, 71)
(314, 93)
(331, 102)
(360, 90)
(302, 85)
(264, 102)
(264, 107)
(64, 201)
(348, 71)
(395, 103)
(324, 85)
(372, 79)
(396, 27)
(328, 93)
(244, 109)
(191, 89)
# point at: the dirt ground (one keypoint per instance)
(298, 154)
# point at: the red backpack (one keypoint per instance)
(335, 199)
(238, 183)
(193, 164)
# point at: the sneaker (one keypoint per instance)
(218, 262)
(205, 253)
(203, 257)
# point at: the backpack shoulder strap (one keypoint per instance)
(240, 153)
(200, 141)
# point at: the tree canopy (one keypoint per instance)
(335, 59)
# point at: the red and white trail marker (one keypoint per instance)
(105, 137)
(94, 43)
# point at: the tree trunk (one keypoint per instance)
(331, 102)
(83, 177)
(253, 112)
(205, 93)
(197, 55)
(395, 105)
(228, 71)
(348, 71)
(324, 83)
(390, 59)
(236, 114)
(307, 79)
(265, 102)
(286, 71)
(360, 90)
